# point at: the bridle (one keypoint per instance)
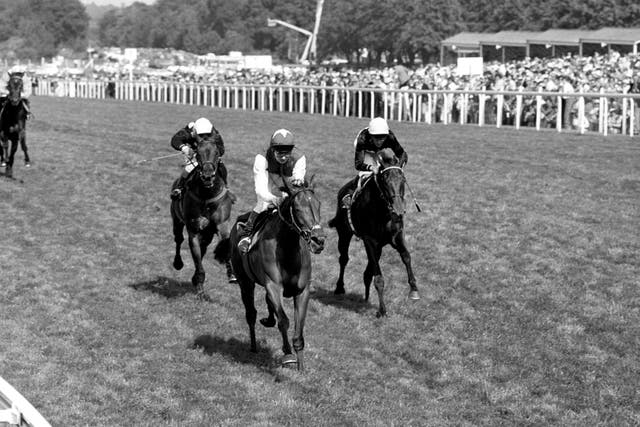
(202, 164)
(389, 202)
(301, 230)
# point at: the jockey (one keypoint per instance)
(280, 162)
(369, 141)
(185, 140)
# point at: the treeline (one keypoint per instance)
(394, 29)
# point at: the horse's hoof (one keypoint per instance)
(203, 296)
(338, 291)
(288, 360)
(178, 264)
(27, 164)
(233, 279)
(268, 322)
(414, 295)
(380, 314)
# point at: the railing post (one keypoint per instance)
(538, 110)
(559, 115)
(632, 120)
(518, 109)
(500, 110)
(581, 118)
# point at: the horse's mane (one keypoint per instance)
(387, 157)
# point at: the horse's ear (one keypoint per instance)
(310, 183)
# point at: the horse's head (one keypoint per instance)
(391, 182)
(303, 207)
(15, 86)
(208, 158)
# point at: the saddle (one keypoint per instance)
(258, 224)
(348, 199)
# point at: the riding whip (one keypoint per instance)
(157, 158)
(414, 197)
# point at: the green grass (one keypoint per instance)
(527, 255)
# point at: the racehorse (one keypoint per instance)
(376, 216)
(13, 118)
(204, 210)
(279, 259)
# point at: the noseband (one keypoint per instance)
(382, 194)
(302, 231)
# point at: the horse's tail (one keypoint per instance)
(222, 251)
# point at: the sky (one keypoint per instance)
(115, 2)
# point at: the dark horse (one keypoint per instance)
(204, 210)
(13, 118)
(279, 259)
(376, 216)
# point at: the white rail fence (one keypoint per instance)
(601, 112)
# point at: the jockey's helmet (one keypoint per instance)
(202, 126)
(282, 140)
(378, 126)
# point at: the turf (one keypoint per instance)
(527, 255)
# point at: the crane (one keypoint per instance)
(309, 51)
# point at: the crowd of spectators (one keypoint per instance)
(610, 73)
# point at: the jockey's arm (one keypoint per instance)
(299, 171)
(182, 137)
(261, 179)
(219, 143)
(397, 149)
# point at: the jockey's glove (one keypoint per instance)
(186, 150)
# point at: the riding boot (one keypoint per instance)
(177, 190)
(245, 234)
(347, 199)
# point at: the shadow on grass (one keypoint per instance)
(349, 301)
(168, 288)
(237, 351)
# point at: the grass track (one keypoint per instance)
(527, 257)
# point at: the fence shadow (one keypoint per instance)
(237, 351)
(349, 301)
(165, 286)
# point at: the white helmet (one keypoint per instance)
(202, 126)
(378, 126)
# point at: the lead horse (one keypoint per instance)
(376, 216)
(204, 210)
(13, 123)
(279, 259)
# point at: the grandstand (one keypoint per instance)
(516, 45)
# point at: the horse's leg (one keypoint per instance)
(399, 244)
(274, 292)
(198, 276)
(12, 154)
(374, 251)
(344, 240)
(23, 146)
(223, 233)
(300, 303)
(247, 289)
(270, 321)
(4, 149)
(178, 237)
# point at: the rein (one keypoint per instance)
(305, 234)
(388, 168)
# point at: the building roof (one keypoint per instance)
(613, 36)
(508, 38)
(560, 37)
(465, 40)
